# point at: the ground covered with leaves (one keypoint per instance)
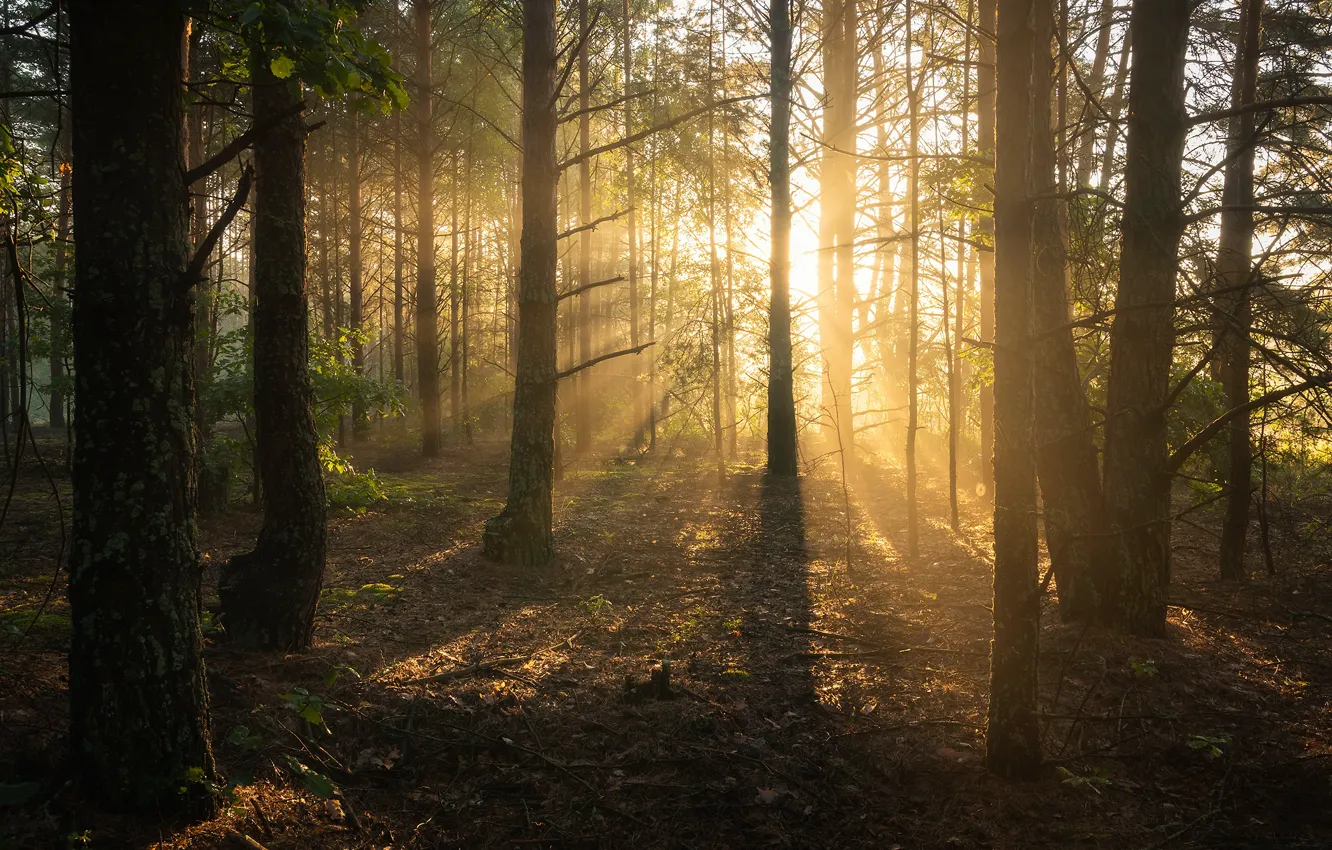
(751, 663)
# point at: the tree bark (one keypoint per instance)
(139, 727)
(399, 335)
(782, 453)
(427, 320)
(1235, 270)
(985, 120)
(356, 292)
(1066, 457)
(913, 293)
(1137, 478)
(583, 382)
(1013, 747)
(523, 534)
(269, 595)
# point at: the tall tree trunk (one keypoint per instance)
(522, 533)
(455, 302)
(1116, 109)
(1137, 477)
(1234, 270)
(913, 293)
(269, 595)
(399, 334)
(356, 292)
(985, 120)
(1066, 457)
(1012, 737)
(61, 285)
(583, 381)
(466, 342)
(139, 727)
(714, 266)
(837, 214)
(627, 59)
(1095, 83)
(427, 319)
(782, 453)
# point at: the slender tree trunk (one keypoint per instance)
(632, 221)
(61, 285)
(1066, 457)
(985, 121)
(399, 334)
(139, 727)
(1095, 82)
(714, 266)
(356, 319)
(1235, 269)
(913, 294)
(1137, 477)
(1012, 736)
(782, 453)
(583, 381)
(1116, 109)
(455, 300)
(465, 345)
(427, 318)
(269, 595)
(522, 533)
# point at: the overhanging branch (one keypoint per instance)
(238, 144)
(595, 360)
(195, 269)
(1214, 427)
(579, 290)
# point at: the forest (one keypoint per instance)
(665, 423)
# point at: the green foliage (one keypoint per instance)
(316, 783)
(1143, 669)
(310, 707)
(594, 606)
(317, 43)
(242, 737)
(1095, 781)
(1208, 745)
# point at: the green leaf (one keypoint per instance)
(251, 14)
(282, 67)
(316, 783)
(18, 793)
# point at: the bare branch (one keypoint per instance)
(595, 360)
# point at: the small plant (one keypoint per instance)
(594, 606)
(310, 707)
(241, 736)
(315, 782)
(1143, 669)
(1095, 781)
(1208, 745)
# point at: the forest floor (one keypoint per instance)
(816, 703)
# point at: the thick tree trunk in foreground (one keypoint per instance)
(1234, 268)
(139, 726)
(1012, 737)
(522, 533)
(1137, 477)
(782, 454)
(427, 321)
(1070, 472)
(269, 595)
